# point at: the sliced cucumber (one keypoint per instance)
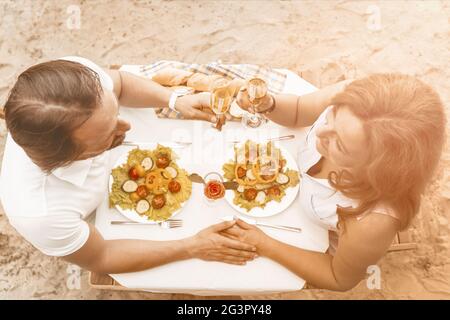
(250, 174)
(165, 175)
(129, 186)
(147, 163)
(142, 206)
(172, 171)
(260, 197)
(282, 178)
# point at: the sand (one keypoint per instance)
(324, 41)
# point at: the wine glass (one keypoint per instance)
(257, 91)
(221, 97)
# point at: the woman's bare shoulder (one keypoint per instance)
(363, 243)
(375, 232)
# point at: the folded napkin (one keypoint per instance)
(275, 79)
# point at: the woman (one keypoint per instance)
(369, 155)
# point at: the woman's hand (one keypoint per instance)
(210, 245)
(193, 106)
(250, 234)
(243, 101)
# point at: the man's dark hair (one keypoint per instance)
(47, 103)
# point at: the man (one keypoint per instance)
(62, 118)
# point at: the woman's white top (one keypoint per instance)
(317, 198)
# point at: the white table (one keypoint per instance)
(206, 154)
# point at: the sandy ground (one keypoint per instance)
(324, 41)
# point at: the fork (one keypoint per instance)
(167, 224)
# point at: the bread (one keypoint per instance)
(172, 77)
(201, 82)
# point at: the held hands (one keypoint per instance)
(248, 233)
(193, 106)
(211, 245)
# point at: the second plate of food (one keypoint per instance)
(147, 185)
(268, 179)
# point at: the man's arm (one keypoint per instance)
(139, 92)
(119, 256)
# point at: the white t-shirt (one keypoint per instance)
(49, 210)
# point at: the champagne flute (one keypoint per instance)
(257, 91)
(221, 97)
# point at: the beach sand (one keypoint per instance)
(324, 41)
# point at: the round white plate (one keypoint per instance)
(272, 208)
(132, 214)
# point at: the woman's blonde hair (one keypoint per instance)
(404, 122)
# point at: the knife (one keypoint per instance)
(257, 223)
(231, 185)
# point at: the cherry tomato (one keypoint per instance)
(133, 174)
(250, 194)
(241, 172)
(142, 191)
(274, 191)
(174, 186)
(162, 161)
(158, 201)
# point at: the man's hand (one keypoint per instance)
(139, 92)
(193, 106)
(129, 255)
(210, 245)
